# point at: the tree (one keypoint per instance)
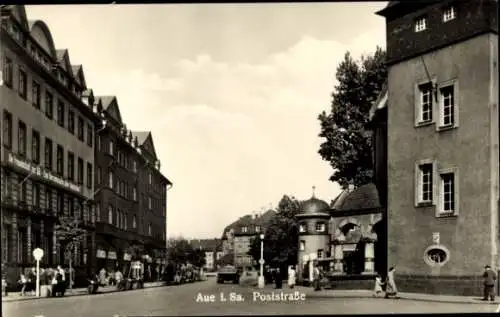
(69, 234)
(280, 242)
(348, 146)
(288, 207)
(180, 251)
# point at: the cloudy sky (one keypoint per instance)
(231, 93)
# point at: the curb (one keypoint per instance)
(82, 293)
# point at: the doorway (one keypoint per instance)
(380, 248)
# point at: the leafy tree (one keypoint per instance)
(280, 242)
(348, 146)
(180, 251)
(288, 207)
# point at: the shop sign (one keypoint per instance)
(43, 173)
(127, 257)
(101, 254)
(112, 255)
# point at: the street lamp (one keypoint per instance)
(261, 281)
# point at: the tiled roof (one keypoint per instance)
(76, 68)
(106, 101)
(206, 244)
(364, 197)
(313, 206)
(60, 54)
(339, 200)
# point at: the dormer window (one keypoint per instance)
(320, 227)
(420, 24)
(449, 14)
(244, 229)
(302, 227)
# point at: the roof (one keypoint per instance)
(339, 200)
(265, 217)
(60, 54)
(405, 6)
(381, 101)
(141, 136)
(364, 197)
(250, 221)
(106, 101)
(76, 68)
(206, 244)
(227, 259)
(313, 206)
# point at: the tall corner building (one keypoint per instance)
(443, 138)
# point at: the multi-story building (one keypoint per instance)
(47, 159)
(442, 143)
(131, 193)
(212, 249)
(238, 236)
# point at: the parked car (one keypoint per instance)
(228, 273)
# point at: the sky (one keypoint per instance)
(230, 92)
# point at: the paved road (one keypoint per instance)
(181, 300)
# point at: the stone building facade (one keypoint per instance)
(443, 143)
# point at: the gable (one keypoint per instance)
(149, 147)
(114, 111)
(19, 13)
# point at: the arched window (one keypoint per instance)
(110, 215)
(134, 222)
(149, 230)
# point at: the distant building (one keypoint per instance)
(442, 143)
(238, 236)
(213, 251)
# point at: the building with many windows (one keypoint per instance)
(131, 193)
(442, 143)
(47, 158)
(212, 249)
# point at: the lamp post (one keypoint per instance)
(261, 281)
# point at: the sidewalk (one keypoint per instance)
(15, 296)
(401, 296)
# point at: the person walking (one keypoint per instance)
(391, 289)
(378, 286)
(489, 277)
(316, 277)
(23, 280)
(278, 279)
(292, 274)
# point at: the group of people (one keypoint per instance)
(56, 281)
(389, 285)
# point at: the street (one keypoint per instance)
(181, 300)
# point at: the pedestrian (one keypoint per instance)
(61, 280)
(378, 286)
(102, 277)
(31, 285)
(316, 277)
(489, 277)
(278, 279)
(292, 277)
(23, 280)
(391, 290)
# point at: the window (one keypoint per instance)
(49, 105)
(35, 146)
(320, 227)
(118, 219)
(320, 253)
(98, 212)
(71, 121)
(244, 229)
(98, 142)
(90, 135)
(89, 175)
(425, 171)
(60, 161)
(448, 14)
(149, 230)
(257, 228)
(81, 133)
(110, 214)
(448, 191)
(447, 104)
(8, 71)
(302, 245)
(35, 196)
(134, 193)
(7, 129)
(48, 154)
(71, 166)
(420, 24)
(111, 148)
(125, 225)
(111, 180)
(425, 103)
(302, 227)
(79, 175)
(21, 139)
(35, 96)
(134, 166)
(23, 89)
(48, 199)
(436, 255)
(60, 203)
(60, 113)
(134, 222)
(149, 206)
(22, 188)
(71, 206)
(98, 175)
